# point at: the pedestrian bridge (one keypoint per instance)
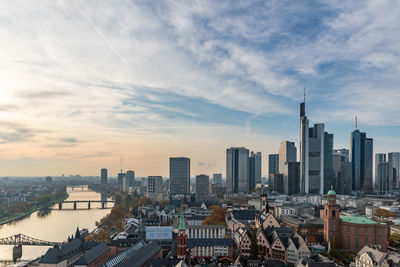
(21, 239)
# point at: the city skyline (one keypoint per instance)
(150, 81)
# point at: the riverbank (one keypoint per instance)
(25, 214)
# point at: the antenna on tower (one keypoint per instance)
(304, 95)
(356, 122)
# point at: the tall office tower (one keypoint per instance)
(384, 178)
(379, 157)
(202, 188)
(254, 169)
(237, 170)
(252, 173)
(316, 159)
(273, 164)
(394, 159)
(304, 146)
(258, 166)
(276, 183)
(291, 178)
(329, 175)
(361, 154)
(217, 178)
(343, 152)
(104, 176)
(154, 185)
(342, 173)
(179, 176)
(130, 178)
(121, 179)
(287, 153)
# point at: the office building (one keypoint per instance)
(179, 176)
(316, 159)
(304, 146)
(291, 178)
(217, 178)
(104, 176)
(329, 176)
(276, 183)
(384, 178)
(258, 166)
(130, 178)
(154, 185)
(122, 179)
(394, 159)
(361, 156)
(273, 164)
(342, 172)
(379, 157)
(202, 188)
(287, 153)
(343, 152)
(237, 170)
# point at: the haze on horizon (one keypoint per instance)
(83, 83)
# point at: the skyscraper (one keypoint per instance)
(179, 176)
(273, 164)
(258, 166)
(394, 159)
(304, 146)
(343, 152)
(361, 155)
(217, 178)
(342, 171)
(130, 178)
(202, 187)
(237, 170)
(384, 178)
(379, 157)
(287, 153)
(316, 158)
(254, 169)
(329, 175)
(104, 176)
(291, 178)
(122, 180)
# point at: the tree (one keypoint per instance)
(217, 216)
(118, 199)
(144, 201)
(163, 204)
(385, 213)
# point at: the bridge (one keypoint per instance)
(21, 239)
(75, 202)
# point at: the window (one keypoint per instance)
(333, 213)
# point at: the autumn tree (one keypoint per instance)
(385, 213)
(217, 216)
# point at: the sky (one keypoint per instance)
(84, 84)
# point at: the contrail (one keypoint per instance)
(102, 35)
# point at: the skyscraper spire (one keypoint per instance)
(356, 122)
(304, 95)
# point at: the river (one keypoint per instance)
(57, 225)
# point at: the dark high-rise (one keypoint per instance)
(361, 155)
(104, 176)
(179, 176)
(394, 159)
(329, 175)
(237, 170)
(130, 178)
(273, 164)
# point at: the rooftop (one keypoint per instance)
(357, 219)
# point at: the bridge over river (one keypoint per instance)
(75, 202)
(20, 239)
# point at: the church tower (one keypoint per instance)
(331, 221)
(182, 238)
(264, 207)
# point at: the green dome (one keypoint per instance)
(331, 192)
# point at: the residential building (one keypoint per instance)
(202, 188)
(361, 156)
(179, 176)
(373, 257)
(237, 170)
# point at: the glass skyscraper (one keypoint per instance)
(361, 155)
(179, 176)
(237, 170)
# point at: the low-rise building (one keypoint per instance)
(371, 257)
(309, 227)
